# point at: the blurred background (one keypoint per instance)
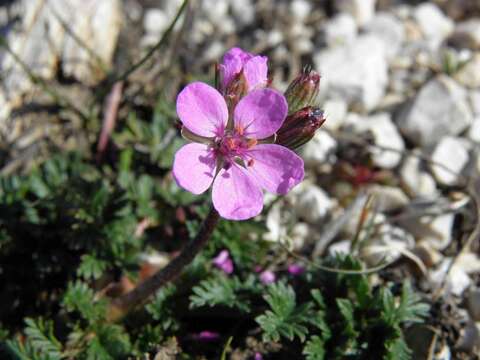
(400, 87)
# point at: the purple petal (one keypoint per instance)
(194, 167)
(233, 62)
(276, 168)
(223, 262)
(267, 277)
(260, 113)
(206, 335)
(236, 195)
(255, 71)
(202, 110)
(296, 269)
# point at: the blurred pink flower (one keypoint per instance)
(238, 62)
(206, 335)
(296, 269)
(230, 155)
(258, 356)
(267, 277)
(223, 262)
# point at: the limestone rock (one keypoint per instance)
(355, 72)
(452, 154)
(440, 108)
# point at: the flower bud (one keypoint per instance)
(303, 90)
(300, 127)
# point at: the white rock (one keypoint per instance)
(243, 11)
(434, 231)
(361, 10)
(341, 29)
(440, 108)
(300, 9)
(433, 22)
(299, 233)
(355, 72)
(385, 134)
(457, 281)
(467, 34)
(317, 151)
(388, 198)
(155, 21)
(474, 131)
(313, 204)
(452, 154)
(469, 74)
(388, 243)
(275, 224)
(335, 113)
(389, 29)
(474, 97)
(418, 183)
(341, 247)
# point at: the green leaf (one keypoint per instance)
(285, 319)
(314, 349)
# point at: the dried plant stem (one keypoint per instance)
(122, 305)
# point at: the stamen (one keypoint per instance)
(251, 143)
(250, 162)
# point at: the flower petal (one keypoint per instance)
(236, 195)
(260, 113)
(233, 62)
(255, 71)
(194, 167)
(202, 109)
(276, 168)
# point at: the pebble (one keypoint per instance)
(313, 203)
(474, 131)
(469, 74)
(355, 72)
(432, 21)
(362, 10)
(416, 181)
(318, 150)
(385, 134)
(451, 153)
(341, 29)
(474, 98)
(388, 29)
(388, 198)
(155, 21)
(425, 119)
(335, 113)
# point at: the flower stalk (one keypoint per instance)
(119, 307)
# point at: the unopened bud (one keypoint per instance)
(300, 127)
(303, 90)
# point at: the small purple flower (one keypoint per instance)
(258, 356)
(295, 269)
(238, 62)
(223, 262)
(231, 154)
(267, 277)
(206, 336)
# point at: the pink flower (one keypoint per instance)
(295, 269)
(231, 154)
(223, 262)
(206, 335)
(238, 62)
(267, 277)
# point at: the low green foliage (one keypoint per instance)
(69, 232)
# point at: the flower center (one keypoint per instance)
(233, 145)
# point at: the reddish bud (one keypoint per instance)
(299, 127)
(303, 90)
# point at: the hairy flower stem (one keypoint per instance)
(122, 305)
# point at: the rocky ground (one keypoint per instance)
(401, 92)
